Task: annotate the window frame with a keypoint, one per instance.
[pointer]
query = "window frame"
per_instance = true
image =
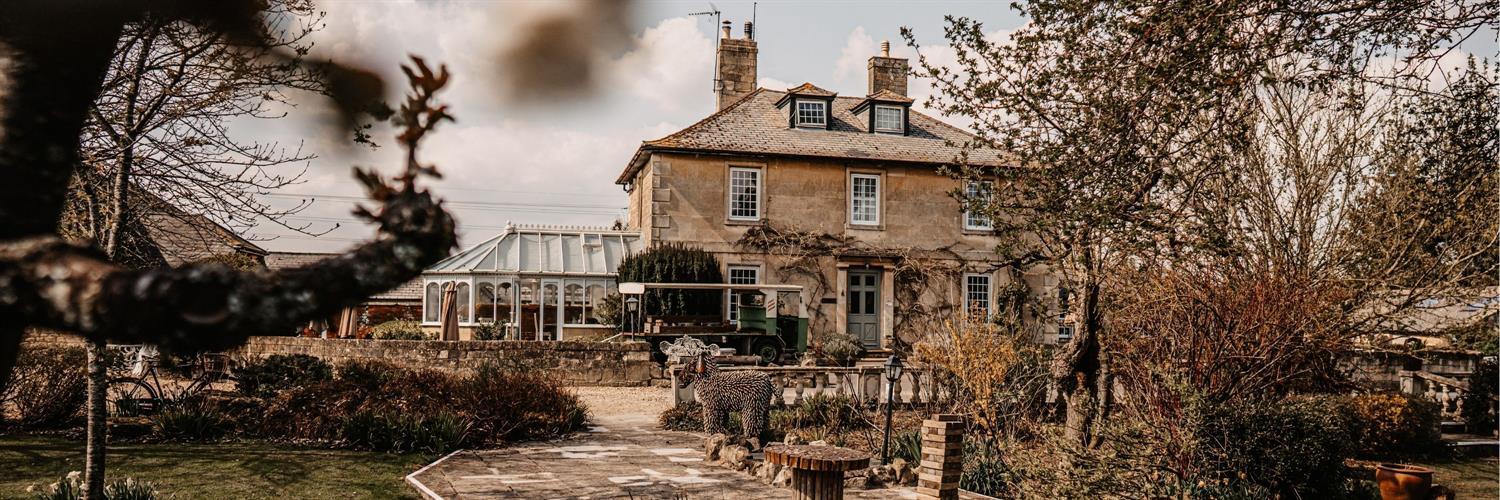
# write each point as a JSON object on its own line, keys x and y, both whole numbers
{"x": 877, "y": 200}
{"x": 968, "y": 216}
{"x": 760, "y": 194}
{"x": 797, "y": 113}
{"x": 731, "y": 313}
{"x": 900, "y": 119}
{"x": 989, "y": 293}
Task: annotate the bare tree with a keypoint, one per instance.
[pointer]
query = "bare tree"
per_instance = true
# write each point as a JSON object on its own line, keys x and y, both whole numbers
{"x": 1119, "y": 113}
{"x": 51, "y": 81}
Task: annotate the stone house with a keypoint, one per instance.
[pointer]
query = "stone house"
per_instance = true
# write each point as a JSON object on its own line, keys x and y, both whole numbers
{"x": 844, "y": 195}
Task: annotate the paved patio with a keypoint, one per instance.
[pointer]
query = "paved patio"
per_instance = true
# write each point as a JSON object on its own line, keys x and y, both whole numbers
{"x": 622, "y": 456}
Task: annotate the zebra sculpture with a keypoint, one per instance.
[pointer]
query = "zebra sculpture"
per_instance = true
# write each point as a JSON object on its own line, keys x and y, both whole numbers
{"x": 746, "y": 392}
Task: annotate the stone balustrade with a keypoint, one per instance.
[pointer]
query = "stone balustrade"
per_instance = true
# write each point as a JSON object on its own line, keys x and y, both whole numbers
{"x": 1446, "y": 391}
{"x": 865, "y": 384}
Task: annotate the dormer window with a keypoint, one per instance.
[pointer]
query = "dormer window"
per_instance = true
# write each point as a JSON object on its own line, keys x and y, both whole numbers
{"x": 812, "y": 113}
{"x": 888, "y": 119}
{"x": 885, "y": 112}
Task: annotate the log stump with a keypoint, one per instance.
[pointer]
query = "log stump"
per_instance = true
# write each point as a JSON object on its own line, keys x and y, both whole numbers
{"x": 817, "y": 471}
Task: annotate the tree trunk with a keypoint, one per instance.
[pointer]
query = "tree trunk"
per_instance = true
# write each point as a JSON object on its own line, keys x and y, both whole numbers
{"x": 1075, "y": 370}
{"x": 93, "y": 468}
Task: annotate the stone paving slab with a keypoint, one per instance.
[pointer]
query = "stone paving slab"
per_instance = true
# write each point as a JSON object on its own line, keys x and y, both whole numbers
{"x": 623, "y": 455}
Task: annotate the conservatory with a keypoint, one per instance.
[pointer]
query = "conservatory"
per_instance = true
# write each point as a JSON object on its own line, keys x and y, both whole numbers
{"x": 531, "y": 282}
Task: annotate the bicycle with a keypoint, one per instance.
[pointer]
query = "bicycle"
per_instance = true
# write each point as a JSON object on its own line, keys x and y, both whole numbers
{"x": 140, "y": 392}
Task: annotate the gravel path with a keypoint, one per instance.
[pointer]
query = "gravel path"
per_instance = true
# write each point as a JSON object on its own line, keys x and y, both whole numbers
{"x": 633, "y": 403}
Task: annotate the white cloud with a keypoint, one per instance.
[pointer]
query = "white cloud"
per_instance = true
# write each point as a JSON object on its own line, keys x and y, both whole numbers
{"x": 670, "y": 65}
{"x": 851, "y": 64}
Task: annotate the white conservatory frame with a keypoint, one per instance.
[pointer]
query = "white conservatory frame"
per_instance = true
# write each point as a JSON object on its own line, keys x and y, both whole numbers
{"x": 564, "y": 269}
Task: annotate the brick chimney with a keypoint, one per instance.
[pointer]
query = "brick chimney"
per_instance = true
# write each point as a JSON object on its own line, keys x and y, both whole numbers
{"x": 736, "y": 72}
{"x": 886, "y": 72}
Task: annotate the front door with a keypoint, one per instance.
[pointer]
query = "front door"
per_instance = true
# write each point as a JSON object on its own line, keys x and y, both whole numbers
{"x": 864, "y": 307}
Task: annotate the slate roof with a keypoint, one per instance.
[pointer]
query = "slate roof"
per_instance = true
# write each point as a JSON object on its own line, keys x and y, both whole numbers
{"x": 409, "y": 291}
{"x": 754, "y": 125}
{"x": 184, "y": 237}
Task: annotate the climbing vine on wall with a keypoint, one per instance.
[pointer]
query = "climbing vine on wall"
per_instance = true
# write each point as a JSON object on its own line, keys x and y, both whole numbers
{"x": 926, "y": 279}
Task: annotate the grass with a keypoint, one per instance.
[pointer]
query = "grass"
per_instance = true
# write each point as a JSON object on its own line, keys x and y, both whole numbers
{"x": 1469, "y": 477}
{"x": 225, "y": 470}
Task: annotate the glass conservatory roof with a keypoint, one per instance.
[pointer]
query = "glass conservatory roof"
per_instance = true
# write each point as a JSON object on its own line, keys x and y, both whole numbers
{"x": 545, "y": 250}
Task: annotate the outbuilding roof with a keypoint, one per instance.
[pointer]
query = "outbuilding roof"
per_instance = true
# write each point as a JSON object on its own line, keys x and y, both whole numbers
{"x": 754, "y": 125}
{"x": 561, "y": 250}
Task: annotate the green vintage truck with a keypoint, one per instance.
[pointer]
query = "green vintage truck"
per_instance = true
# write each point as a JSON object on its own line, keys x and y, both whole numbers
{"x": 767, "y": 321}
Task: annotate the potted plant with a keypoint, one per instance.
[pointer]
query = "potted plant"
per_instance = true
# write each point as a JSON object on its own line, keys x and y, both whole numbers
{"x": 1403, "y": 482}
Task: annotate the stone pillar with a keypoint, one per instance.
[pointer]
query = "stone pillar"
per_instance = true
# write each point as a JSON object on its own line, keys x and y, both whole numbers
{"x": 942, "y": 458}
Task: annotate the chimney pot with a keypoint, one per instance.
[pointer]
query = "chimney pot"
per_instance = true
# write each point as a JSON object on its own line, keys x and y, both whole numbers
{"x": 749, "y": 30}
{"x": 735, "y": 76}
{"x": 726, "y": 29}
{"x": 885, "y": 48}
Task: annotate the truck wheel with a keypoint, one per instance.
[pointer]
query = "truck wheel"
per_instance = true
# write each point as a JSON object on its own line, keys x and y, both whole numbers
{"x": 769, "y": 350}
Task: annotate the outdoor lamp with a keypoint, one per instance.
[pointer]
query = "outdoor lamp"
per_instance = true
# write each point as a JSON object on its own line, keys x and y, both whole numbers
{"x": 893, "y": 368}
{"x": 632, "y": 304}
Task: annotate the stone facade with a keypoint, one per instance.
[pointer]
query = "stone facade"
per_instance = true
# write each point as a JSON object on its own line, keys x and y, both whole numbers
{"x": 685, "y": 199}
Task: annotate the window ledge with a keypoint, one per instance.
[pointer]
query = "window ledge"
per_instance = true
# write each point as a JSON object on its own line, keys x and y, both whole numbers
{"x": 744, "y": 222}
{"x": 979, "y": 232}
{"x": 864, "y": 227}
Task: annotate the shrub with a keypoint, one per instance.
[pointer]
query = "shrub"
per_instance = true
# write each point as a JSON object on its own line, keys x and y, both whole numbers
{"x": 71, "y": 487}
{"x": 400, "y": 329}
{"x": 1295, "y": 446}
{"x": 985, "y": 471}
{"x": 47, "y": 387}
{"x": 608, "y": 311}
{"x": 675, "y": 263}
{"x": 509, "y": 405}
{"x": 275, "y": 373}
{"x": 402, "y": 433}
{"x": 907, "y": 445}
{"x": 1389, "y": 425}
{"x": 1479, "y": 399}
{"x": 686, "y": 416}
{"x": 490, "y": 331}
{"x": 832, "y": 414}
{"x": 194, "y": 420}
{"x": 841, "y": 349}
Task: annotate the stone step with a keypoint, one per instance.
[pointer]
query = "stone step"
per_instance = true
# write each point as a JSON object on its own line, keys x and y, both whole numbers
{"x": 1472, "y": 445}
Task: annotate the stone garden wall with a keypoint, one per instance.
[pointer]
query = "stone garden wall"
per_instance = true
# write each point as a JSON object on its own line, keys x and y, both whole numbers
{"x": 576, "y": 363}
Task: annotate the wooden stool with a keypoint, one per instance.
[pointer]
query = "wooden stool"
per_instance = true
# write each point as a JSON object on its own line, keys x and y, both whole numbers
{"x": 817, "y": 471}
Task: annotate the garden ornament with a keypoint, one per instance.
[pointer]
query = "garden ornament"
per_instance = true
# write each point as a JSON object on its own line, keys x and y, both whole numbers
{"x": 747, "y": 392}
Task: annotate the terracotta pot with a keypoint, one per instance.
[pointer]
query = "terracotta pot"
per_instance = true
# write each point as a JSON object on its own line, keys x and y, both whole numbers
{"x": 1403, "y": 482}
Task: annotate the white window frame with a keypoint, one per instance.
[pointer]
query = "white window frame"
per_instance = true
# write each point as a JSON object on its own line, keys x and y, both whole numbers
{"x": 822, "y": 113}
{"x": 900, "y": 121}
{"x": 760, "y": 194}
{"x": 853, "y": 176}
{"x": 732, "y": 312}
{"x": 971, "y": 221}
{"x": 989, "y": 292}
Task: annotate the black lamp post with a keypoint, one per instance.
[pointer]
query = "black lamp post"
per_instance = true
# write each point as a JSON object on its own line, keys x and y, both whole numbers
{"x": 892, "y": 377}
{"x": 632, "y": 308}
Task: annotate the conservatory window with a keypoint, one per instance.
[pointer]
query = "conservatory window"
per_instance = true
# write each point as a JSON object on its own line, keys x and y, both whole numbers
{"x": 504, "y": 298}
{"x": 433, "y": 300}
{"x": 484, "y": 303}
{"x": 463, "y": 302}
{"x": 596, "y": 294}
{"x": 575, "y": 303}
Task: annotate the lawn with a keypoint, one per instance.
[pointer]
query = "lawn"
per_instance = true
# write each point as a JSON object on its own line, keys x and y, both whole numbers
{"x": 1469, "y": 477}
{"x": 227, "y": 470}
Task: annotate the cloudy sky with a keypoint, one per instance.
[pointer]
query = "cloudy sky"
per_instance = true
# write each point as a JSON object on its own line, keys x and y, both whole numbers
{"x": 510, "y": 160}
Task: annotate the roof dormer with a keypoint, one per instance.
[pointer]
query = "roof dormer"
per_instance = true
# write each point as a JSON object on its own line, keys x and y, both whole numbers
{"x": 886, "y": 112}
{"x": 808, "y": 107}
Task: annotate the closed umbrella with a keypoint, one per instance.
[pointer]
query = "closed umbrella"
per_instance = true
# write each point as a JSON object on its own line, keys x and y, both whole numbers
{"x": 448, "y": 325}
{"x": 348, "y": 323}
